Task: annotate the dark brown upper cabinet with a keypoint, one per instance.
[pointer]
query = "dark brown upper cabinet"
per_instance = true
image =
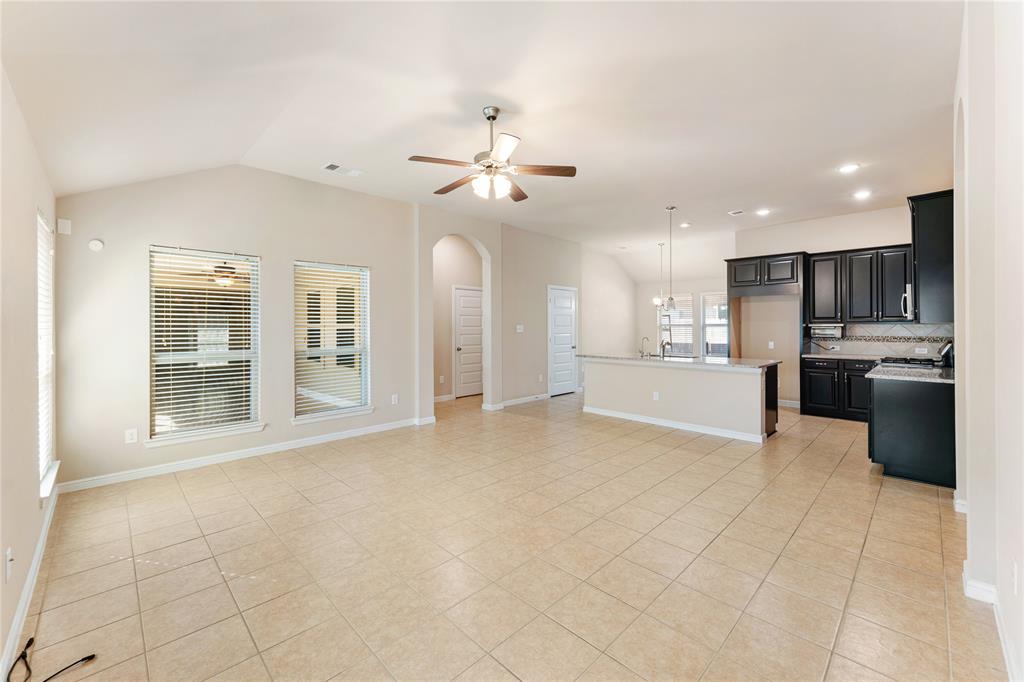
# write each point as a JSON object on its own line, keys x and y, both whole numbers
{"x": 781, "y": 269}
{"x": 861, "y": 290}
{"x": 823, "y": 299}
{"x": 895, "y": 284}
{"x": 745, "y": 273}
{"x": 932, "y": 224}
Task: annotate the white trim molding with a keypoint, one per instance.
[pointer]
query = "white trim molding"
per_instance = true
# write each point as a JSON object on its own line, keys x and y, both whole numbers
{"x": 789, "y": 403}
{"x": 525, "y": 399}
{"x": 185, "y": 464}
{"x": 959, "y": 505}
{"x": 333, "y": 414}
{"x": 987, "y": 592}
{"x": 976, "y": 589}
{"x": 492, "y": 407}
{"x": 710, "y": 430}
{"x": 444, "y": 398}
{"x": 425, "y": 421}
{"x": 13, "y": 643}
{"x": 203, "y": 434}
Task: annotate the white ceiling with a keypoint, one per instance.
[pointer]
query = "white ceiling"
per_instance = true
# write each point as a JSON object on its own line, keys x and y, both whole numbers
{"x": 709, "y": 106}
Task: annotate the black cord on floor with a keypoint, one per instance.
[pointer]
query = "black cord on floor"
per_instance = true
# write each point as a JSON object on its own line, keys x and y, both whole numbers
{"x": 83, "y": 659}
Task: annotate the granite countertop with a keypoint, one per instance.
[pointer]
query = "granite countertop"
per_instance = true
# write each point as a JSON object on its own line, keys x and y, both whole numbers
{"x": 836, "y": 355}
{"x": 741, "y": 364}
{"x": 934, "y": 375}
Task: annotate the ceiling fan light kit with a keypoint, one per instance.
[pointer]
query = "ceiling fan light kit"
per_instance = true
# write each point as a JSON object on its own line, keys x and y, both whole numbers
{"x": 493, "y": 167}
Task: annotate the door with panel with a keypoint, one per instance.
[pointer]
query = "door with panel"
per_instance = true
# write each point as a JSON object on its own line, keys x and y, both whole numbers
{"x": 468, "y": 340}
{"x": 562, "y": 364}
{"x": 895, "y": 284}
{"x": 861, "y": 275}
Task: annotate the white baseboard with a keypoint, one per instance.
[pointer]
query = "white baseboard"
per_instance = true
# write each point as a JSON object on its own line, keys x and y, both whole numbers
{"x": 13, "y": 646}
{"x": 424, "y": 421}
{"x": 444, "y": 398}
{"x": 710, "y": 430}
{"x": 976, "y": 589}
{"x": 525, "y": 399}
{"x": 1014, "y": 668}
{"x": 960, "y": 506}
{"x": 789, "y": 403}
{"x": 492, "y": 407}
{"x": 185, "y": 464}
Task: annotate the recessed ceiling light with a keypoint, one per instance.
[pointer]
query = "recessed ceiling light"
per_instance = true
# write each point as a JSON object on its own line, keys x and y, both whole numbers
{"x": 848, "y": 168}
{"x": 862, "y": 194}
{"x": 763, "y": 211}
{"x": 684, "y": 225}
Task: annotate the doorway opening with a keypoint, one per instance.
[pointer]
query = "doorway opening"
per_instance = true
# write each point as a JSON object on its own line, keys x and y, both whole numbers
{"x": 459, "y": 323}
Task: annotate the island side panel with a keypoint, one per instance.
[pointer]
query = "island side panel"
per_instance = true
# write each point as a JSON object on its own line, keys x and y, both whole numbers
{"x": 771, "y": 399}
{"x": 727, "y": 403}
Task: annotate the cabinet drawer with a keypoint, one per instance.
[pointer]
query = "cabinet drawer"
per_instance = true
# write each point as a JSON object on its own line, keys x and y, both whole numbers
{"x": 859, "y": 365}
{"x": 821, "y": 364}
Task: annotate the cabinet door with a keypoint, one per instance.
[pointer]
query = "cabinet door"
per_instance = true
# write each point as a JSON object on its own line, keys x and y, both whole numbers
{"x": 932, "y": 217}
{"x": 895, "y": 270}
{"x": 821, "y": 388}
{"x": 861, "y": 279}
{"x": 824, "y": 289}
{"x": 745, "y": 273}
{"x": 856, "y": 395}
{"x": 780, "y": 270}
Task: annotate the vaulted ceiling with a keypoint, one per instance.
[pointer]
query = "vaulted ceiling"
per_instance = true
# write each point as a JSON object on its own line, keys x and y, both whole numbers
{"x": 709, "y": 106}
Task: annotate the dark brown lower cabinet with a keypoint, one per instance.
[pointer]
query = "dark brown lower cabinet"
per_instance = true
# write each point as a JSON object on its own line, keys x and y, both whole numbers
{"x": 836, "y": 388}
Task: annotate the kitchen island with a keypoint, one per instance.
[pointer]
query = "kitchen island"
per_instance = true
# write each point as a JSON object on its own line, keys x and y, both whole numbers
{"x": 730, "y": 397}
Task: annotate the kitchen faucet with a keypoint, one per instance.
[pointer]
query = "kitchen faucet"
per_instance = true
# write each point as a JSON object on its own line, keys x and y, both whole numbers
{"x": 643, "y": 345}
{"x": 664, "y": 343}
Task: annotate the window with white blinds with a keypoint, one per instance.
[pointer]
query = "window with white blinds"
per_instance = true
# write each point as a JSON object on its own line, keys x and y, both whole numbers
{"x": 204, "y": 341}
{"x": 332, "y": 339}
{"x": 44, "y": 347}
{"x": 676, "y": 326}
{"x": 715, "y": 320}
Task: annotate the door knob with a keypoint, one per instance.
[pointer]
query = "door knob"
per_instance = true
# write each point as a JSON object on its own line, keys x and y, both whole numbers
{"x": 458, "y": 347}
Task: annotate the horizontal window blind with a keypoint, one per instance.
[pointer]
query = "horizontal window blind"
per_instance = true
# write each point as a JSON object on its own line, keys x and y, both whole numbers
{"x": 44, "y": 349}
{"x": 332, "y": 338}
{"x": 716, "y": 324}
{"x": 676, "y": 326}
{"x": 204, "y": 340}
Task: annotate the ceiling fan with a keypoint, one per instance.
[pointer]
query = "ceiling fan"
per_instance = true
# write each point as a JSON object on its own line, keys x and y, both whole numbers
{"x": 492, "y": 172}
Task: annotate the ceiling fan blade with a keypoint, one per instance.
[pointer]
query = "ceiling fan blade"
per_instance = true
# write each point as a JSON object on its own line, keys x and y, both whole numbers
{"x": 504, "y": 145}
{"x": 447, "y": 162}
{"x": 561, "y": 171}
{"x": 517, "y": 192}
{"x": 455, "y": 185}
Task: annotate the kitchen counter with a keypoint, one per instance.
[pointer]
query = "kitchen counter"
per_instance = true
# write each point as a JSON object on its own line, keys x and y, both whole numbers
{"x": 714, "y": 364}
{"x": 936, "y": 375}
{"x": 840, "y": 356}
{"x": 728, "y": 397}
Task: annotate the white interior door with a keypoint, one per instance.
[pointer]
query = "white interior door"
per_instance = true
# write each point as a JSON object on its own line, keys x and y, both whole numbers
{"x": 561, "y": 340}
{"x": 468, "y": 337}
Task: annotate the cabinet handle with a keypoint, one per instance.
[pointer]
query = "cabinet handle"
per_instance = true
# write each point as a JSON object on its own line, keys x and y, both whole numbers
{"x": 908, "y": 312}
{"x": 903, "y": 304}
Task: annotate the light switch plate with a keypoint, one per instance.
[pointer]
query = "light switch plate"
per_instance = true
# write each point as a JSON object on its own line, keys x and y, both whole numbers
{"x": 519, "y": 329}
{"x": 655, "y": 396}
{"x": 394, "y": 398}
{"x": 131, "y": 436}
{"x": 442, "y": 378}
{"x": 771, "y": 345}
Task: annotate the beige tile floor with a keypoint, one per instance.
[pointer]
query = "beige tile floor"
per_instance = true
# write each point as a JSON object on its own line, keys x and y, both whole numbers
{"x": 537, "y": 543}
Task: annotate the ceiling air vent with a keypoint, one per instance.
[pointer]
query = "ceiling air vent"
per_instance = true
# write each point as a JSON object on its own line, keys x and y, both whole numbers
{"x": 341, "y": 170}
{"x": 736, "y": 212}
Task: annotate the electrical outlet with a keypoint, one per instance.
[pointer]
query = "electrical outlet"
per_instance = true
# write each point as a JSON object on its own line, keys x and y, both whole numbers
{"x": 131, "y": 436}
{"x": 771, "y": 345}
{"x": 394, "y": 398}
{"x": 655, "y": 396}
{"x": 921, "y": 351}
{"x": 519, "y": 329}
{"x": 8, "y": 563}
{"x": 442, "y": 378}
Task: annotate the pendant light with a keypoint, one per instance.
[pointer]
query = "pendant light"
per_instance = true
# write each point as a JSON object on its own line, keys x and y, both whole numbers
{"x": 661, "y": 276}
{"x": 670, "y": 302}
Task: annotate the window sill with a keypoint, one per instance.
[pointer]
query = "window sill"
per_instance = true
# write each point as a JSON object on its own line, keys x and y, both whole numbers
{"x": 48, "y": 480}
{"x": 161, "y": 441}
{"x": 333, "y": 414}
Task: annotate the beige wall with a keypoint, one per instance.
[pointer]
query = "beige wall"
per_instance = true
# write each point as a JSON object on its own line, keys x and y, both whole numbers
{"x": 531, "y": 262}
{"x": 25, "y": 191}
{"x": 851, "y": 231}
{"x": 103, "y": 313}
{"x": 456, "y": 262}
{"x": 776, "y": 319}
{"x": 990, "y": 295}
{"x": 646, "y": 318}
{"x": 608, "y": 310}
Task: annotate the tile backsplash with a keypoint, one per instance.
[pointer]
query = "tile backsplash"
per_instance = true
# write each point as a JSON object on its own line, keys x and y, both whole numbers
{"x": 886, "y": 339}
